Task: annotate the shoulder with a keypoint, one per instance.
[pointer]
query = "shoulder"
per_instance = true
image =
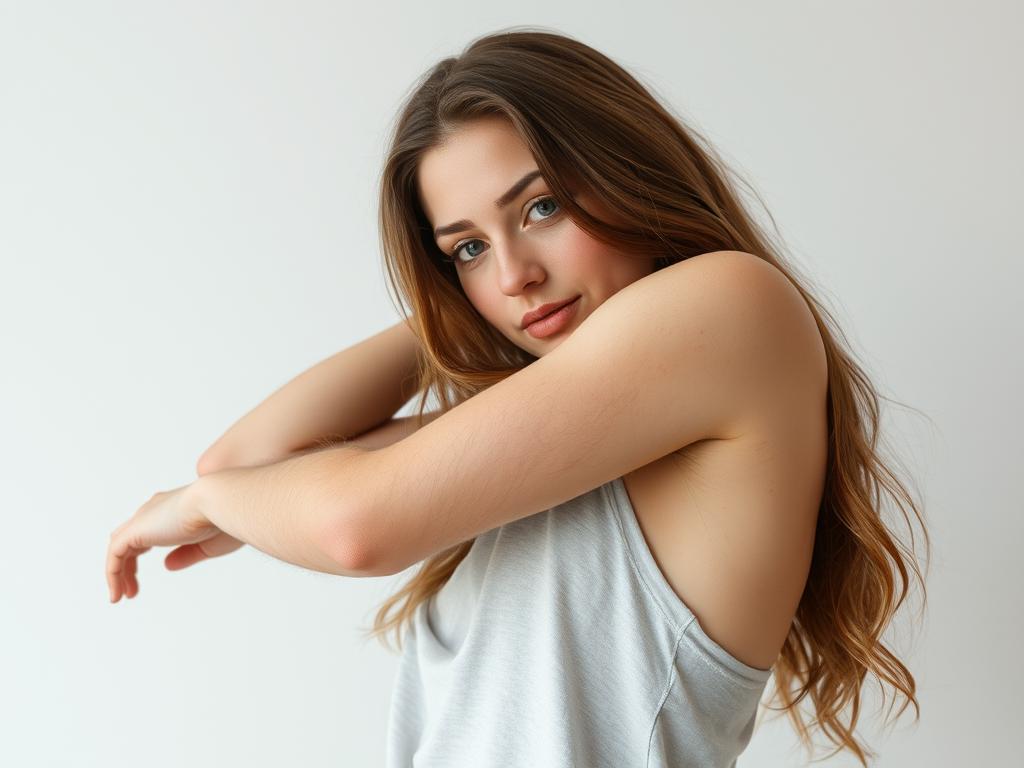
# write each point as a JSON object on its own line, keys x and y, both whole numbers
{"x": 733, "y": 288}
{"x": 738, "y": 316}
{"x": 737, "y": 286}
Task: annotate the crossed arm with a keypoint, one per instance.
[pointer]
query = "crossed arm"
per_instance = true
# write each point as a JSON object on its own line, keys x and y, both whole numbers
{"x": 690, "y": 352}
{"x": 687, "y": 353}
{"x": 288, "y": 509}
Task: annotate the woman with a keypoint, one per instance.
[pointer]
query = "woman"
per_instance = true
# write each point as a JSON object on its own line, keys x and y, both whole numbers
{"x": 652, "y": 482}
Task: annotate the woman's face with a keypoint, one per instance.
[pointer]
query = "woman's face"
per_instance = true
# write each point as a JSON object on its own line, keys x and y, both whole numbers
{"x": 514, "y": 253}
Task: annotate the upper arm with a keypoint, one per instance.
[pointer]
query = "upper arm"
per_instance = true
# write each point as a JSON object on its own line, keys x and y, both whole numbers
{"x": 684, "y": 354}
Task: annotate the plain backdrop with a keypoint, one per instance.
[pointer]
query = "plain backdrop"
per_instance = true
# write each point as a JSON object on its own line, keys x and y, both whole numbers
{"x": 188, "y": 202}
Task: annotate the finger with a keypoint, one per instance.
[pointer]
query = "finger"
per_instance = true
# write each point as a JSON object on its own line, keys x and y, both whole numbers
{"x": 115, "y": 562}
{"x": 112, "y": 570}
{"x": 114, "y": 586}
{"x": 190, "y": 554}
{"x": 131, "y": 578}
{"x": 221, "y": 544}
{"x": 183, "y": 557}
{"x": 119, "y": 553}
{"x": 129, "y": 573}
{"x": 125, "y": 579}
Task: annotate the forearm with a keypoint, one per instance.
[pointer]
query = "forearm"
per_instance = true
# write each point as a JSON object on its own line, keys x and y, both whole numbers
{"x": 292, "y": 510}
{"x": 345, "y": 395}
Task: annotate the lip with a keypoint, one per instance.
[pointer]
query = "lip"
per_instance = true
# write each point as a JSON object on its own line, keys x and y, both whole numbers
{"x": 554, "y": 322}
{"x": 543, "y": 311}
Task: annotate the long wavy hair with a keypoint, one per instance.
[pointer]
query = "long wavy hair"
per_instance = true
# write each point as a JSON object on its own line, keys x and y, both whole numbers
{"x": 592, "y": 126}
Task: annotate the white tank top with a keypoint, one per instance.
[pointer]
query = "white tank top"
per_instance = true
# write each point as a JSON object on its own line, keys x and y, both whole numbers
{"x": 558, "y": 642}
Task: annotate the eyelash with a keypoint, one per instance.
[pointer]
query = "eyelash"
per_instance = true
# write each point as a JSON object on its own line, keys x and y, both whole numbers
{"x": 452, "y": 257}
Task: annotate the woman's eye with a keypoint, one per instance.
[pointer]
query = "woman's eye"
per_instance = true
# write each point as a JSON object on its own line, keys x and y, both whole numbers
{"x": 548, "y": 202}
{"x": 455, "y": 253}
{"x": 542, "y": 205}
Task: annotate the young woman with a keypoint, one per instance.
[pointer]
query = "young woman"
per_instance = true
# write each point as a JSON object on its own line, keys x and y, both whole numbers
{"x": 652, "y": 482}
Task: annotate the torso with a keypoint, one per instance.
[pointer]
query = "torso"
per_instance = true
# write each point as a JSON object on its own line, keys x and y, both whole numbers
{"x": 731, "y": 522}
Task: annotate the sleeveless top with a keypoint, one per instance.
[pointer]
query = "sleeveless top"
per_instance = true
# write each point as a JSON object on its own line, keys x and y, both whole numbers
{"x": 558, "y": 642}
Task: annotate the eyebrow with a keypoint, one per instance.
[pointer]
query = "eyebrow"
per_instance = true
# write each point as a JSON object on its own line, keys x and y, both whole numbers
{"x": 514, "y": 191}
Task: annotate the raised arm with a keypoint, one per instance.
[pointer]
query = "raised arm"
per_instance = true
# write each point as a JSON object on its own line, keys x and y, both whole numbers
{"x": 333, "y": 401}
{"x": 346, "y": 396}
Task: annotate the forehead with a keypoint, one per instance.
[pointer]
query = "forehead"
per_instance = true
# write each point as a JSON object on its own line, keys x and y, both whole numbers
{"x": 473, "y": 167}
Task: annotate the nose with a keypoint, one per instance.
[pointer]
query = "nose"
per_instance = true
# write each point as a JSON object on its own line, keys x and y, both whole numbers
{"x": 518, "y": 266}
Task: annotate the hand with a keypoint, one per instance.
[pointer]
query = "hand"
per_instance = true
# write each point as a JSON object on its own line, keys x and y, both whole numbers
{"x": 168, "y": 518}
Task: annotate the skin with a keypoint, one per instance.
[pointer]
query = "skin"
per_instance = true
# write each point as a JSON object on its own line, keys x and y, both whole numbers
{"x": 526, "y": 254}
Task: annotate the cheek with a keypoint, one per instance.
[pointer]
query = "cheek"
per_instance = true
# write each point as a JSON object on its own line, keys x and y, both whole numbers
{"x": 486, "y": 302}
{"x": 600, "y": 265}
{"x": 580, "y": 251}
{"x": 600, "y": 270}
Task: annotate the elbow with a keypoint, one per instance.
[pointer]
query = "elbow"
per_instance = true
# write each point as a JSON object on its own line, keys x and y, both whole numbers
{"x": 361, "y": 534}
{"x": 356, "y": 555}
{"x": 349, "y": 551}
{"x": 206, "y": 465}
{"x": 351, "y": 560}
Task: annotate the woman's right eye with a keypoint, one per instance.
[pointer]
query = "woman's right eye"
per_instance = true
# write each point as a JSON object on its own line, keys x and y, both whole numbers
{"x": 455, "y": 254}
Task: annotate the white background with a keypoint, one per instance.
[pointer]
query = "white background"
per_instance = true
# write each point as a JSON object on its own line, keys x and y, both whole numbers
{"x": 188, "y": 199}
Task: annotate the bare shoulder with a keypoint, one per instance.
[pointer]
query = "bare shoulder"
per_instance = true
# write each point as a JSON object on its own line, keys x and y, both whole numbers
{"x": 742, "y": 275}
{"x": 760, "y": 320}
{"x": 798, "y": 363}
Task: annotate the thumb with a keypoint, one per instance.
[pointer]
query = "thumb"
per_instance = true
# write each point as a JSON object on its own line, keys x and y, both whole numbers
{"x": 190, "y": 554}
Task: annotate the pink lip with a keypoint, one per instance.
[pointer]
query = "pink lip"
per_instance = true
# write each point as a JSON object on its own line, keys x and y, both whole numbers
{"x": 555, "y": 322}
{"x": 543, "y": 311}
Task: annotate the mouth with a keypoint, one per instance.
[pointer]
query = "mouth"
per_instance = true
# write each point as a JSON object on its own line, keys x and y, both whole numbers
{"x": 543, "y": 311}
{"x": 554, "y": 322}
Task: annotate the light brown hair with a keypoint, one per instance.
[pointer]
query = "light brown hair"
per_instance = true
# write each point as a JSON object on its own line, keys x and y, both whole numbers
{"x": 590, "y": 125}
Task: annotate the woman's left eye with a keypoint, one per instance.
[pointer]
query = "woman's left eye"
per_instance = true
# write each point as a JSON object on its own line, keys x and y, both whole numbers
{"x": 550, "y": 201}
